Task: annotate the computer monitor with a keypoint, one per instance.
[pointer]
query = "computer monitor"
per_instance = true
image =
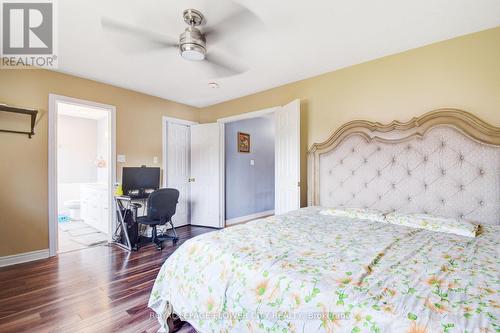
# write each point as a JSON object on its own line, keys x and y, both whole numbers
{"x": 138, "y": 181}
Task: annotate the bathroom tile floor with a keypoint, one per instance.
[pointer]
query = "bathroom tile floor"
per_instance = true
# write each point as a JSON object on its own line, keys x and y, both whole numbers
{"x": 76, "y": 235}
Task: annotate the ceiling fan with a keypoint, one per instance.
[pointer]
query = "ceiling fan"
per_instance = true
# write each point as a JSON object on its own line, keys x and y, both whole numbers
{"x": 192, "y": 43}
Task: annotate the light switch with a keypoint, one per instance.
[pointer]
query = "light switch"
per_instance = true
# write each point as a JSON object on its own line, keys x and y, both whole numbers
{"x": 155, "y": 160}
{"x": 121, "y": 158}
{"x": 252, "y": 162}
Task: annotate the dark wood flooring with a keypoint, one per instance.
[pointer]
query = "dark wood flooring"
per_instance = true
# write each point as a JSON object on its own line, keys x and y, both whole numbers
{"x": 100, "y": 289}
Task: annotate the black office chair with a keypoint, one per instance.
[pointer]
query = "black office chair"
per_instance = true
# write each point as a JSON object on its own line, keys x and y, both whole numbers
{"x": 161, "y": 207}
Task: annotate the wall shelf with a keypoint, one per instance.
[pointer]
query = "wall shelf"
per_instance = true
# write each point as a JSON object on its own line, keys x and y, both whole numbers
{"x": 29, "y": 112}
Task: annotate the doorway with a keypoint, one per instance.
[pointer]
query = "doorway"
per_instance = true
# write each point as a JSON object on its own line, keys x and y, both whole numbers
{"x": 249, "y": 146}
{"x": 286, "y": 122}
{"x": 194, "y": 162}
{"x": 81, "y": 173}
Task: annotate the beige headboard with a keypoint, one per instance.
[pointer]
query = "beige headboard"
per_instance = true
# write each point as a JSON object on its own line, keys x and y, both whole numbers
{"x": 446, "y": 162}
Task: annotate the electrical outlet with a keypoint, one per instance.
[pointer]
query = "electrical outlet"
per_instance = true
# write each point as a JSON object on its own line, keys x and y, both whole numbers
{"x": 155, "y": 160}
{"x": 121, "y": 158}
{"x": 252, "y": 162}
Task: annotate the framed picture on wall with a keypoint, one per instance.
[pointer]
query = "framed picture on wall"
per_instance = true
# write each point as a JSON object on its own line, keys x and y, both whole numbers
{"x": 243, "y": 142}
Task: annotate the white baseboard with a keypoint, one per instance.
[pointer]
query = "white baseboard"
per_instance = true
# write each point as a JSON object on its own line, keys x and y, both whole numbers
{"x": 249, "y": 217}
{"x": 23, "y": 257}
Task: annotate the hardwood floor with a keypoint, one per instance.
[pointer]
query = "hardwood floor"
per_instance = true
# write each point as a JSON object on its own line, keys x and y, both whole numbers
{"x": 99, "y": 289}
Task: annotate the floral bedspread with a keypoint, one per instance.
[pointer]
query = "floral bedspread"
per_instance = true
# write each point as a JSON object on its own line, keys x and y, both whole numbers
{"x": 306, "y": 272}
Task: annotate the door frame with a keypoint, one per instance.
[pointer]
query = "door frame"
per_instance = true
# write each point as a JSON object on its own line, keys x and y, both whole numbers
{"x": 222, "y": 155}
{"x": 52, "y": 164}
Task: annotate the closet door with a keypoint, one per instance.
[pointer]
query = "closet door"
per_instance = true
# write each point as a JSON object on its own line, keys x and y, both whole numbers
{"x": 205, "y": 182}
{"x": 178, "y": 169}
{"x": 287, "y": 154}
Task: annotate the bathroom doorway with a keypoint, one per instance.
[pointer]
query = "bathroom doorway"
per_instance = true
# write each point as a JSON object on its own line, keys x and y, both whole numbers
{"x": 82, "y": 167}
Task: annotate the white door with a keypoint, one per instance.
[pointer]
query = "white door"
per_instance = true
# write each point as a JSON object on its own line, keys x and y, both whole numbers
{"x": 287, "y": 154}
{"x": 178, "y": 169}
{"x": 205, "y": 175}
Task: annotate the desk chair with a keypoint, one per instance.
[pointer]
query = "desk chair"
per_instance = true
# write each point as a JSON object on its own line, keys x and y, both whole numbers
{"x": 161, "y": 207}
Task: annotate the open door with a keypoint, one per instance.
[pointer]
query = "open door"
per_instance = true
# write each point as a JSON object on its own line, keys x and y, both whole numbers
{"x": 287, "y": 163}
{"x": 205, "y": 183}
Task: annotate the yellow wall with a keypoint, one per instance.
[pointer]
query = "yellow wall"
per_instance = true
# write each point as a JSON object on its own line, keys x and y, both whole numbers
{"x": 463, "y": 72}
{"x": 23, "y": 162}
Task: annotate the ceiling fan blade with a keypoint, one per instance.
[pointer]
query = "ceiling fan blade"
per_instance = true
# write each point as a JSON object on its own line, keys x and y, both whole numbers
{"x": 241, "y": 19}
{"x": 222, "y": 67}
{"x": 156, "y": 40}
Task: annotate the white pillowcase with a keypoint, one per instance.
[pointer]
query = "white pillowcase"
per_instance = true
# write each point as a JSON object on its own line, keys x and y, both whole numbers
{"x": 434, "y": 223}
{"x": 421, "y": 221}
{"x": 356, "y": 213}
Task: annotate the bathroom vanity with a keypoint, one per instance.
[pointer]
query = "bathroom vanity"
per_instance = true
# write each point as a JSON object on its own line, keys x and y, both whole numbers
{"x": 95, "y": 206}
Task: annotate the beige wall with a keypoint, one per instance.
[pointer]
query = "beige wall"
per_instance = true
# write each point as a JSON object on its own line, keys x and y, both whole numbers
{"x": 23, "y": 162}
{"x": 462, "y": 73}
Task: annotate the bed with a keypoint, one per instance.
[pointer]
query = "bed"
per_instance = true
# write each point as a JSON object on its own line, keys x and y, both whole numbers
{"x": 311, "y": 271}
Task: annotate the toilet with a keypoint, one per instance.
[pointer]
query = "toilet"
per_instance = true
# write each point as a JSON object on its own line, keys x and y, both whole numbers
{"x": 74, "y": 209}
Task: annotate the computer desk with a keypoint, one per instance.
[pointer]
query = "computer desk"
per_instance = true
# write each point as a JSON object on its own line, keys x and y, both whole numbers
{"x": 125, "y": 205}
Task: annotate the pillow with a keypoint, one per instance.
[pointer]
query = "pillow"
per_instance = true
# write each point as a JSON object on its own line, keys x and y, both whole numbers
{"x": 434, "y": 223}
{"x": 355, "y": 213}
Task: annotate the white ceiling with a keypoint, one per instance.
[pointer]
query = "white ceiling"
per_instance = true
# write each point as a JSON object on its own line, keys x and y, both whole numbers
{"x": 297, "y": 39}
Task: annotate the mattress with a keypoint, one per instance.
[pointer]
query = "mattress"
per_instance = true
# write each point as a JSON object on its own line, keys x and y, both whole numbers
{"x": 307, "y": 272}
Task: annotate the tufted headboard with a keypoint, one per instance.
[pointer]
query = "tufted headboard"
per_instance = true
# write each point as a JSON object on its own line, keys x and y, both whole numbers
{"x": 446, "y": 163}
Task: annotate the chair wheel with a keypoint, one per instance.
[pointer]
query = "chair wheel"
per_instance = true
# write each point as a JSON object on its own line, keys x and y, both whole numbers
{"x": 159, "y": 245}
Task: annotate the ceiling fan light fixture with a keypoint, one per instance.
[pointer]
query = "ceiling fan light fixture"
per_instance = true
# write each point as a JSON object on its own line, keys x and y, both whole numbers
{"x": 192, "y": 44}
{"x": 192, "y": 52}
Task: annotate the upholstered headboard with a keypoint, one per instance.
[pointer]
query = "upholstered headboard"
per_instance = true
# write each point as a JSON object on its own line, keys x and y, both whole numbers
{"x": 446, "y": 162}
